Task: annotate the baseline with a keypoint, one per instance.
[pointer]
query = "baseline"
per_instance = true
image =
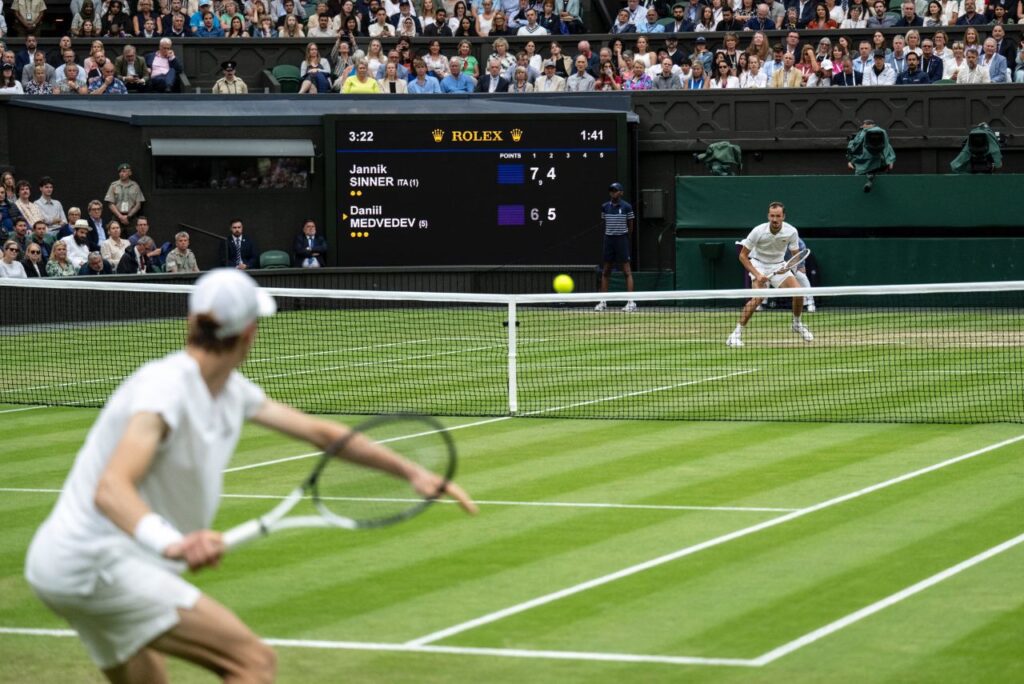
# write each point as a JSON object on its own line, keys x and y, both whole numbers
{"x": 451, "y": 650}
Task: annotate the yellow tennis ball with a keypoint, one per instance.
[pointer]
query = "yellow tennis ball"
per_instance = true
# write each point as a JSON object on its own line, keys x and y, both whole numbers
{"x": 563, "y": 284}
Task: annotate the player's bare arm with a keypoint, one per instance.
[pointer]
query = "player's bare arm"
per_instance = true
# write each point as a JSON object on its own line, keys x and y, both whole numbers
{"x": 117, "y": 495}
{"x": 759, "y": 278}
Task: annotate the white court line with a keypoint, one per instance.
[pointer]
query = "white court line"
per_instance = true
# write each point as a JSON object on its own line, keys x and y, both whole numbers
{"x": 449, "y": 650}
{"x": 541, "y": 504}
{"x": 524, "y": 415}
{"x": 25, "y": 408}
{"x": 890, "y": 600}
{"x": 689, "y": 550}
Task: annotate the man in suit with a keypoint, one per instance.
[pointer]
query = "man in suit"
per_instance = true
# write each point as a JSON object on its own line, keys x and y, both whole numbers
{"x": 1005, "y": 47}
{"x": 164, "y": 68}
{"x": 787, "y": 76}
{"x": 238, "y": 250}
{"x": 310, "y": 248}
{"x": 549, "y": 82}
{"x": 848, "y": 76}
{"x": 804, "y": 11}
{"x": 99, "y": 227}
{"x": 993, "y": 61}
{"x": 135, "y": 260}
{"x": 492, "y": 81}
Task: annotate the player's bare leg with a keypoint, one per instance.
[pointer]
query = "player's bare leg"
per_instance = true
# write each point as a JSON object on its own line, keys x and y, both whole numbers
{"x": 213, "y": 637}
{"x": 145, "y": 666}
{"x": 798, "y": 308}
{"x": 735, "y": 339}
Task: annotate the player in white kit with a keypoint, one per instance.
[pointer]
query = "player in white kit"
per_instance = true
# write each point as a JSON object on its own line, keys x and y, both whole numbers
{"x": 144, "y": 490}
{"x": 762, "y": 254}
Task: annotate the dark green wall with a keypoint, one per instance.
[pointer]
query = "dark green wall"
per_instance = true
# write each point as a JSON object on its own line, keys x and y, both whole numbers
{"x": 821, "y": 202}
{"x": 867, "y": 261}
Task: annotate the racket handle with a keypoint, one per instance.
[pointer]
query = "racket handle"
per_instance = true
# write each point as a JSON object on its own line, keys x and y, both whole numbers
{"x": 243, "y": 534}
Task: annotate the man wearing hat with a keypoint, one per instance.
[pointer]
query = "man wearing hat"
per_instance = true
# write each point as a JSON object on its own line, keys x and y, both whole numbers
{"x": 549, "y": 82}
{"x": 881, "y": 72}
{"x": 196, "y": 20}
{"x": 702, "y": 54}
{"x": 230, "y": 84}
{"x": 618, "y": 218}
{"x": 78, "y": 243}
{"x": 124, "y": 197}
{"x": 405, "y": 10}
{"x": 145, "y": 489}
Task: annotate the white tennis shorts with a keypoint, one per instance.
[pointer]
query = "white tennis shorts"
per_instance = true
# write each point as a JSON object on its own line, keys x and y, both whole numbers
{"x": 775, "y": 280}
{"x": 134, "y": 601}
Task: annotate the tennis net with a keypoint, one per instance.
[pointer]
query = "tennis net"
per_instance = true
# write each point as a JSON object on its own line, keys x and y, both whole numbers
{"x": 951, "y": 353}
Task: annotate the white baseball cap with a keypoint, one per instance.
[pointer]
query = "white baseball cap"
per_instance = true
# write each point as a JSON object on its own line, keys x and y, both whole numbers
{"x": 232, "y": 298}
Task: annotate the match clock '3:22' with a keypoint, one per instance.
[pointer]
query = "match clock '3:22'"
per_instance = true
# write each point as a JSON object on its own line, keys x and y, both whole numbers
{"x": 473, "y": 190}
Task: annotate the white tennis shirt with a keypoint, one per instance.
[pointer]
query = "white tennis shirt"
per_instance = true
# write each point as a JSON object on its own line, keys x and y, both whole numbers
{"x": 183, "y": 484}
{"x": 768, "y": 248}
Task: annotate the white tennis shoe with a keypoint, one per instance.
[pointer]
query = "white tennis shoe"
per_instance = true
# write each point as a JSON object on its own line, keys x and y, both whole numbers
{"x": 801, "y": 330}
{"x": 630, "y": 306}
{"x": 734, "y": 341}
{"x": 601, "y": 306}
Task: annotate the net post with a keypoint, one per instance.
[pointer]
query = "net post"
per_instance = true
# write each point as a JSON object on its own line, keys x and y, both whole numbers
{"x": 513, "y": 396}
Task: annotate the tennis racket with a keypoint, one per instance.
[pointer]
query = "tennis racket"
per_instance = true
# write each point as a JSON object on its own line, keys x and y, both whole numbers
{"x": 354, "y": 497}
{"x": 794, "y": 262}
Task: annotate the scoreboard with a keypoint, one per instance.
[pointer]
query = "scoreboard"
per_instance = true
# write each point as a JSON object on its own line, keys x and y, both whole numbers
{"x": 423, "y": 190}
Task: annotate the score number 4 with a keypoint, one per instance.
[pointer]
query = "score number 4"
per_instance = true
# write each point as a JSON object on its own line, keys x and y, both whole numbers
{"x": 536, "y": 171}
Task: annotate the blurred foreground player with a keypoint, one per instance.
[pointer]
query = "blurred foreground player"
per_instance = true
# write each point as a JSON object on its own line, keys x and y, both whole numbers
{"x": 144, "y": 490}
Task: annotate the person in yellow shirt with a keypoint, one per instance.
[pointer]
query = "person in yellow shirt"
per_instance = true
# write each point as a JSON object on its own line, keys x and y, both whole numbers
{"x": 361, "y": 83}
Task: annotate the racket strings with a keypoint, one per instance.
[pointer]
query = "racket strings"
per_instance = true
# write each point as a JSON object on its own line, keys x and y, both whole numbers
{"x": 351, "y": 491}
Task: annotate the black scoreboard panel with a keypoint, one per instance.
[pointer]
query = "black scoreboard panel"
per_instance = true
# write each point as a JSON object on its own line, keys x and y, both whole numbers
{"x": 426, "y": 190}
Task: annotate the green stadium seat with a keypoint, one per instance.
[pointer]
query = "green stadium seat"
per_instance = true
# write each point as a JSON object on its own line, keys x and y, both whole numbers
{"x": 275, "y": 258}
{"x": 284, "y": 78}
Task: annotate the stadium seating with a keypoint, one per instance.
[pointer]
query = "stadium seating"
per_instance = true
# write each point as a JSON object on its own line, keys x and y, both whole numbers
{"x": 275, "y": 258}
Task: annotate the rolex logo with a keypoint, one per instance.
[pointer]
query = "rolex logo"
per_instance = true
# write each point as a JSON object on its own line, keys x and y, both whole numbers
{"x": 517, "y": 134}
{"x": 438, "y": 135}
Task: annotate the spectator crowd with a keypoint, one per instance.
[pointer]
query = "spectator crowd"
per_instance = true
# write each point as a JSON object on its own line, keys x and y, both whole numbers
{"x": 731, "y": 49}
{"x": 40, "y": 239}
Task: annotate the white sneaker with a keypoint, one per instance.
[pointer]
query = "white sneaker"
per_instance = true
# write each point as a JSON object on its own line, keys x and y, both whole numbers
{"x": 760, "y": 307}
{"x": 630, "y": 306}
{"x": 601, "y": 306}
{"x": 810, "y": 308}
{"x": 801, "y": 330}
{"x": 734, "y": 341}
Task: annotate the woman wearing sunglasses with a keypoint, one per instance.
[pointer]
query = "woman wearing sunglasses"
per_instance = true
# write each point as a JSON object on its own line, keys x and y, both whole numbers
{"x": 10, "y": 267}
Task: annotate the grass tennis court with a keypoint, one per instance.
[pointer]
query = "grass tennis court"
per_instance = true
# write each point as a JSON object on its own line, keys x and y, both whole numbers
{"x": 755, "y": 535}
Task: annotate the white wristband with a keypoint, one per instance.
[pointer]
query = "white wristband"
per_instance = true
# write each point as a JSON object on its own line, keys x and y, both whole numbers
{"x": 155, "y": 533}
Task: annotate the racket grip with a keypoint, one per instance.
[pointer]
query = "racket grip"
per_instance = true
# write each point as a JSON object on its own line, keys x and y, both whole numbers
{"x": 243, "y": 534}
